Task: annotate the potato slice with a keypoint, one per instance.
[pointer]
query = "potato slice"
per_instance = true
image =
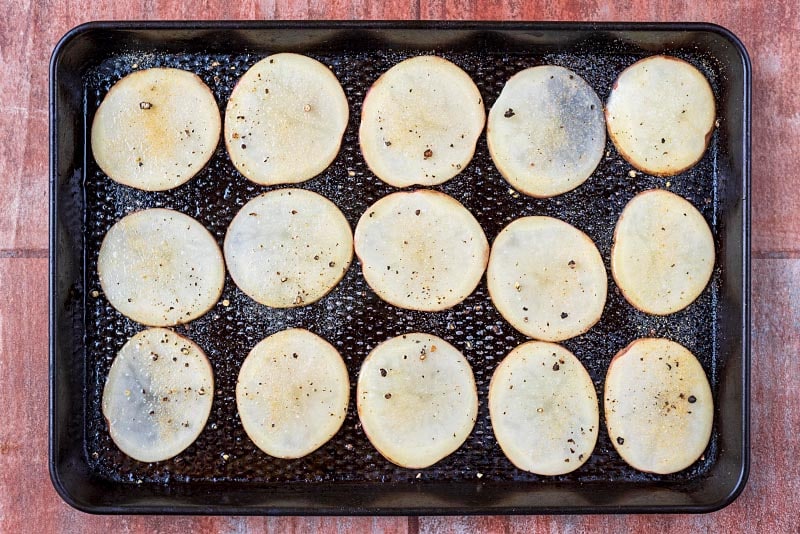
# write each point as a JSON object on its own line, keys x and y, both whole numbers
{"x": 546, "y": 131}
{"x": 660, "y": 115}
{"x": 160, "y": 267}
{"x": 292, "y": 393}
{"x": 285, "y": 120}
{"x": 546, "y": 278}
{"x": 420, "y": 122}
{"x": 155, "y": 129}
{"x": 663, "y": 252}
{"x": 544, "y": 409}
{"x": 288, "y": 248}
{"x": 158, "y": 394}
{"x": 416, "y": 399}
{"x": 421, "y": 250}
{"x": 658, "y": 406}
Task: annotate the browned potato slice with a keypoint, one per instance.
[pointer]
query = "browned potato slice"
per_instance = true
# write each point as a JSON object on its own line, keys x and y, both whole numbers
{"x": 155, "y": 129}
{"x": 660, "y": 115}
{"x": 658, "y": 406}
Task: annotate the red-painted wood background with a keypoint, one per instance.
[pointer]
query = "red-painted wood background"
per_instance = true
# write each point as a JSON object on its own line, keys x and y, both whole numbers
{"x": 770, "y": 29}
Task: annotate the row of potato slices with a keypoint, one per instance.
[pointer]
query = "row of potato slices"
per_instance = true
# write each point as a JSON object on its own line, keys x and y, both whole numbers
{"x": 416, "y": 400}
{"x": 419, "y": 250}
{"x": 420, "y": 121}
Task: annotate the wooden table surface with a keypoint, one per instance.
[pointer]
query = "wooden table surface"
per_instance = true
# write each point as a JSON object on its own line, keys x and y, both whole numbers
{"x": 771, "y": 31}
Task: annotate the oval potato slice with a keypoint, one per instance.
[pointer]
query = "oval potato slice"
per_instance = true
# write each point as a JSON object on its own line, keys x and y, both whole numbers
{"x": 288, "y": 247}
{"x": 292, "y": 393}
{"x": 663, "y": 252}
{"x": 546, "y": 278}
{"x": 420, "y": 121}
{"x": 546, "y": 131}
{"x": 158, "y": 395}
{"x": 155, "y": 129}
{"x": 543, "y": 408}
{"x": 160, "y": 267}
{"x": 421, "y": 250}
{"x": 416, "y": 399}
{"x": 660, "y": 115}
{"x": 658, "y": 406}
{"x": 285, "y": 120}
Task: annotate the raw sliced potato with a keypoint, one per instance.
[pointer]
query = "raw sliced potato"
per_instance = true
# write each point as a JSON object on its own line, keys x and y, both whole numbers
{"x": 421, "y": 250}
{"x": 288, "y": 248}
{"x": 416, "y": 399}
{"x": 546, "y": 131}
{"x": 420, "y": 121}
{"x": 285, "y": 120}
{"x": 660, "y": 115}
{"x": 546, "y": 278}
{"x": 158, "y": 395}
{"x": 663, "y": 252}
{"x": 160, "y": 267}
{"x": 658, "y": 406}
{"x": 543, "y": 408}
{"x": 155, "y": 129}
{"x": 292, "y": 393}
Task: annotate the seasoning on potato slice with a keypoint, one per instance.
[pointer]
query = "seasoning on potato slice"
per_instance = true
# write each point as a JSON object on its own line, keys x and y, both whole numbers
{"x": 546, "y": 131}
{"x": 660, "y": 115}
{"x": 421, "y": 250}
{"x": 658, "y": 406}
{"x": 160, "y": 267}
{"x": 285, "y": 120}
{"x": 288, "y": 248}
{"x": 543, "y": 408}
{"x": 663, "y": 252}
{"x": 416, "y": 399}
{"x": 157, "y": 397}
{"x": 420, "y": 122}
{"x": 292, "y": 393}
{"x": 155, "y": 129}
{"x": 546, "y": 278}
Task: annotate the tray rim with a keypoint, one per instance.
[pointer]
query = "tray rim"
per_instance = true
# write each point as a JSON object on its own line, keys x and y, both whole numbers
{"x": 430, "y": 25}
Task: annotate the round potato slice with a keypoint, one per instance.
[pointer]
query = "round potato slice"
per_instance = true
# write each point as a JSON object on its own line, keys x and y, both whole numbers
{"x": 663, "y": 252}
{"x": 292, "y": 393}
{"x": 288, "y": 247}
{"x": 421, "y": 250}
{"x": 658, "y": 406}
{"x": 660, "y": 115}
{"x": 158, "y": 394}
{"x": 546, "y": 131}
{"x": 544, "y": 409}
{"x": 547, "y": 278}
{"x": 160, "y": 267}
{"x": 156, "y": 129}
{"x": 285, "y": 120}
{"x": 416, "y": 399}
{"x": 420, "y": 122}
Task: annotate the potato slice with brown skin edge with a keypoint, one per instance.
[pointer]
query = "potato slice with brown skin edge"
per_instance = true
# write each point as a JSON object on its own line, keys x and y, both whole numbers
{"x": 663, "y": 252}
{"x": 155, "y": 129}
{"x": 660, "y": 115}
{"x": 285, "y": 120}
{"x": 292, "y": 393}
{"x": 543, "y": 408}
{"x": 421, "y": 250}
{"x": 416, "y": 398}
{"x": 160, "y": 267}
{"x": 158, "y": 395}
{"x": 658, "y": 406}
{"x": 546, "y": 132}
{"x": 420, "y": 121}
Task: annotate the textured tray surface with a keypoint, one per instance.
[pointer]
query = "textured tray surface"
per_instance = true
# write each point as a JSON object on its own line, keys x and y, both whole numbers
{"x": 352, "y": 317}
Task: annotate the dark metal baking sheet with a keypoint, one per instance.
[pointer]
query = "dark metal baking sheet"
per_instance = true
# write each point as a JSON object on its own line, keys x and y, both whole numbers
{"x": 223, "y": 472}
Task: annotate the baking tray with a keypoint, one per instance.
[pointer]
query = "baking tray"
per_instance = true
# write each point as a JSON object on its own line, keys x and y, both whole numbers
{"x": 223, "y": 472}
